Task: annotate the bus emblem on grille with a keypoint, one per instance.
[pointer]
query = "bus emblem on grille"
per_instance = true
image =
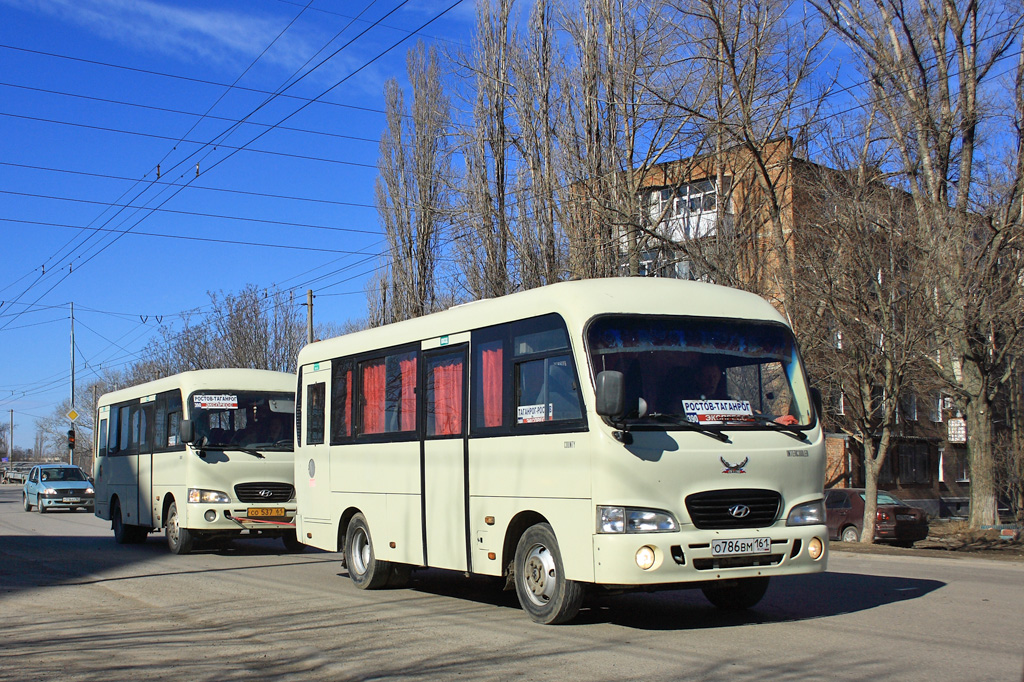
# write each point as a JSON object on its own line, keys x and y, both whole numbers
{"x": 734, "y": 468}
{"x": 265, "y": 493}
{"x": 739, "y": 511}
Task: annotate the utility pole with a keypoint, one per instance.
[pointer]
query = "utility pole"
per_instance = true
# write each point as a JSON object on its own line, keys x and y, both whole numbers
{"x": 71, "y": 425}
{"x": 309, "y": 315}
{"x": 10, "y": 441}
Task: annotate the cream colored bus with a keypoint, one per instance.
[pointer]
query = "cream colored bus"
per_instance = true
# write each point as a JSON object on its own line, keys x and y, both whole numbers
{"x": 619, "y": 433}
{"x": 203, "y": 455}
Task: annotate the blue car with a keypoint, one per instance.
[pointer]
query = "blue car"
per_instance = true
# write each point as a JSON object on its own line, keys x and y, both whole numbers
{"x": 57, "y": 486}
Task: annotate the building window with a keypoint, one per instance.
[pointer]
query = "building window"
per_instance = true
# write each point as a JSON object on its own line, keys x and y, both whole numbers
{"x": 914, "y": 463}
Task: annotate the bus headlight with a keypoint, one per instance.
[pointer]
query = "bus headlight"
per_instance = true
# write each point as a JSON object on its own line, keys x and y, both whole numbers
{"x": 809, "y": 514}
{"x": 634, "y": 520}
{"x": 196, "y": 495}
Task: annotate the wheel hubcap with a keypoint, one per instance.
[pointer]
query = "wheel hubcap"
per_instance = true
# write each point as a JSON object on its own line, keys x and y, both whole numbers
{"x": 539, "y": 575}
{"x": 360, "y": 552}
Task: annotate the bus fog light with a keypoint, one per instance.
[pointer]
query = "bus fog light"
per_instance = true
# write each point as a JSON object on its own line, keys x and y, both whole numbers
{"x": 210, "y": 515}
{"x": 645, "y": 557}
{"x": 815, "y": 548}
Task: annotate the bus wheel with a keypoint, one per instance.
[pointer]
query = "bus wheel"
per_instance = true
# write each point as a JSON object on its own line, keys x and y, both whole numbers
{"x": 124, "y": 534}
{"x": 179, "y": 540}
{"x": 736, "y": 595}
{"x": 400, "y": 575}
{"x": 366, "y": 571}
{"x": 291, "y": 541}
{"x": 543, "y": 591}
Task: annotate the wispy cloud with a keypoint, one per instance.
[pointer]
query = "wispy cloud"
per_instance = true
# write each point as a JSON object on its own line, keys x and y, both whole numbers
{"x": 188, "y": 33}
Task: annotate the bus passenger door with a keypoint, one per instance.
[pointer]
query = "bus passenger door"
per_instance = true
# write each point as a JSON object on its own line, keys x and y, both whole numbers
{"x": 145, "y": 472}
{"x": 443, "y": 462}
{"x": 99, "y": 480}
{"x": 312, "y": 457}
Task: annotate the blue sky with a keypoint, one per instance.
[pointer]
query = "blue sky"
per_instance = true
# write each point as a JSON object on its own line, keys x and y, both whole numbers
{"x": 96, "y": 94}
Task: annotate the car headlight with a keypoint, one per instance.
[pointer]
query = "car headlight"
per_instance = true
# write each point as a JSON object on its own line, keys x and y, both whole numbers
{"x": 90, "y": 491}
{"x": 49, "y": 491}
{"x": 634, "y": 520}
{"x": 808, "y": 514}
{"x": 207, "y": 496}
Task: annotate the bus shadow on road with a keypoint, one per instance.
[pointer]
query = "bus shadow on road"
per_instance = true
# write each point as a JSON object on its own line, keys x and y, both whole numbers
{"x": 39, "y": 561}
{"x": 789, "y": 599}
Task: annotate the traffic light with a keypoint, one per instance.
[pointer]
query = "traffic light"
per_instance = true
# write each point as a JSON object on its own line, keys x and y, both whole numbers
{"x": 71, "y": 439}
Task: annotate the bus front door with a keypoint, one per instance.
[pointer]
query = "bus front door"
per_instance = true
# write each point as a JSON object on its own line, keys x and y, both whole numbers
{"x": 314, "y": 469}
{"x": 444, "y": 462}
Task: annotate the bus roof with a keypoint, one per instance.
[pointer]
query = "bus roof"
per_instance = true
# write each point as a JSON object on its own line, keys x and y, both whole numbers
{"x": 576, "y": 301}
{"x": 208, "y": 379}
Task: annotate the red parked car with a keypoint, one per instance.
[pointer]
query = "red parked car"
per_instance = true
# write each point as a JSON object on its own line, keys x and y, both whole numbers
{"x": 895, "y": 521}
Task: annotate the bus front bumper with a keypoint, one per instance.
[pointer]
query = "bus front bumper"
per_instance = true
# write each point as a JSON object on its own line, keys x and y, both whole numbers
{"x": 649, "y": 559}
{"x": 239, "y": 516}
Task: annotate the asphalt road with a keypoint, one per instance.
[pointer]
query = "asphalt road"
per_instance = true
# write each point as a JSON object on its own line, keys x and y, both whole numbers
{"x": 75, "y": 606}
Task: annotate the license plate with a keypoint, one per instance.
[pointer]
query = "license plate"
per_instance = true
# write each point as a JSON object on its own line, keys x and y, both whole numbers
{"x": 741, "y": 546}
{"x": 906, "y": 517}
{"x": 71, "y": 499}
{"x": 257, "y": 512}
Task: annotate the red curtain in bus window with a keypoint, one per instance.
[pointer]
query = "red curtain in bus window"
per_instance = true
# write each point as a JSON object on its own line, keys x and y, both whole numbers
{"x": 447, "y": 405}
{"x": 491, "y": 369}
{"x": 347, "y": 409}
{"x": 373, "y": 395}
{"x": 407, "y": 415}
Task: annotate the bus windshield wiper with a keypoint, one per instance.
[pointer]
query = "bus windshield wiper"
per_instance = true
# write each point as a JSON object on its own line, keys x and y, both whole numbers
{"x": 687, "y": 424}
{"x": 223, "y": 448}
{"x": 789, "y": 430}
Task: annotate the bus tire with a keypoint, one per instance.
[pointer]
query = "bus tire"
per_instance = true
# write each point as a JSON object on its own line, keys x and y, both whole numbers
{"x": 179, "y": 540}
{"x": 736, "y": 595}
{"x": 544, "y": 592}
{"x": 400, "y": 575}
{"x": 291, "y": 541}
{"x": 124, "y": 534}
{"x": 365, "y": 570}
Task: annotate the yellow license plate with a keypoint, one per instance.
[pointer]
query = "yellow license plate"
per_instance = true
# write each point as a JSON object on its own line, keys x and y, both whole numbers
{"x": 259, "y": 512}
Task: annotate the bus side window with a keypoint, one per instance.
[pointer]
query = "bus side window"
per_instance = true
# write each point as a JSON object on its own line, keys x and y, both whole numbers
{"x": 388, "y": 394}
{"x": 315, "y": 397}
{"x": 488, "y": 386}
{"x": 341, "y": 401}
{"x": 123, "y": 429}
{"x": 547, "y": 390}
{"x": 101, "y": 440}
{"x": 444, "y": 394}
{"x": 166, "y": 421}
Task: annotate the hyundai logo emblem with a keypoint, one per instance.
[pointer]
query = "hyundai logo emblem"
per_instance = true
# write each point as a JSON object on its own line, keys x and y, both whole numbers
{"x": 266, "y": 493}
{"x": 739, "y": 511}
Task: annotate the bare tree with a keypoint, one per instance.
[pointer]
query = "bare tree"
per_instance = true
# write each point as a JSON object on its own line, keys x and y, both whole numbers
{"x": 411, "y": 199}
{"x": 860, "y": 259}
{"x": 758, "y": 66}
{"x": 485, "y": 211}
{"x": 932, "y": 67}
{"x": 254, "y": 328}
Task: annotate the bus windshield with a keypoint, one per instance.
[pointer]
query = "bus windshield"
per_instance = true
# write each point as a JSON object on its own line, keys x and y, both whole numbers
{"x": 707, "y": 371}
{"x": 260, "y": 420}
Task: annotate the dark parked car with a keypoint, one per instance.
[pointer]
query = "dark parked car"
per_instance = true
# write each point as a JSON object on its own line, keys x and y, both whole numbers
{"x": 57, "y": 486}
{"x": 895, "y": 521}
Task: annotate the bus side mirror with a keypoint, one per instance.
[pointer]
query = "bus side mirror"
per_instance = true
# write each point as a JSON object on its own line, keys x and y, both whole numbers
{"x": 611, "y": 394}
{"x": 816, "y": 400}
{"x": 186, "y": 431}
